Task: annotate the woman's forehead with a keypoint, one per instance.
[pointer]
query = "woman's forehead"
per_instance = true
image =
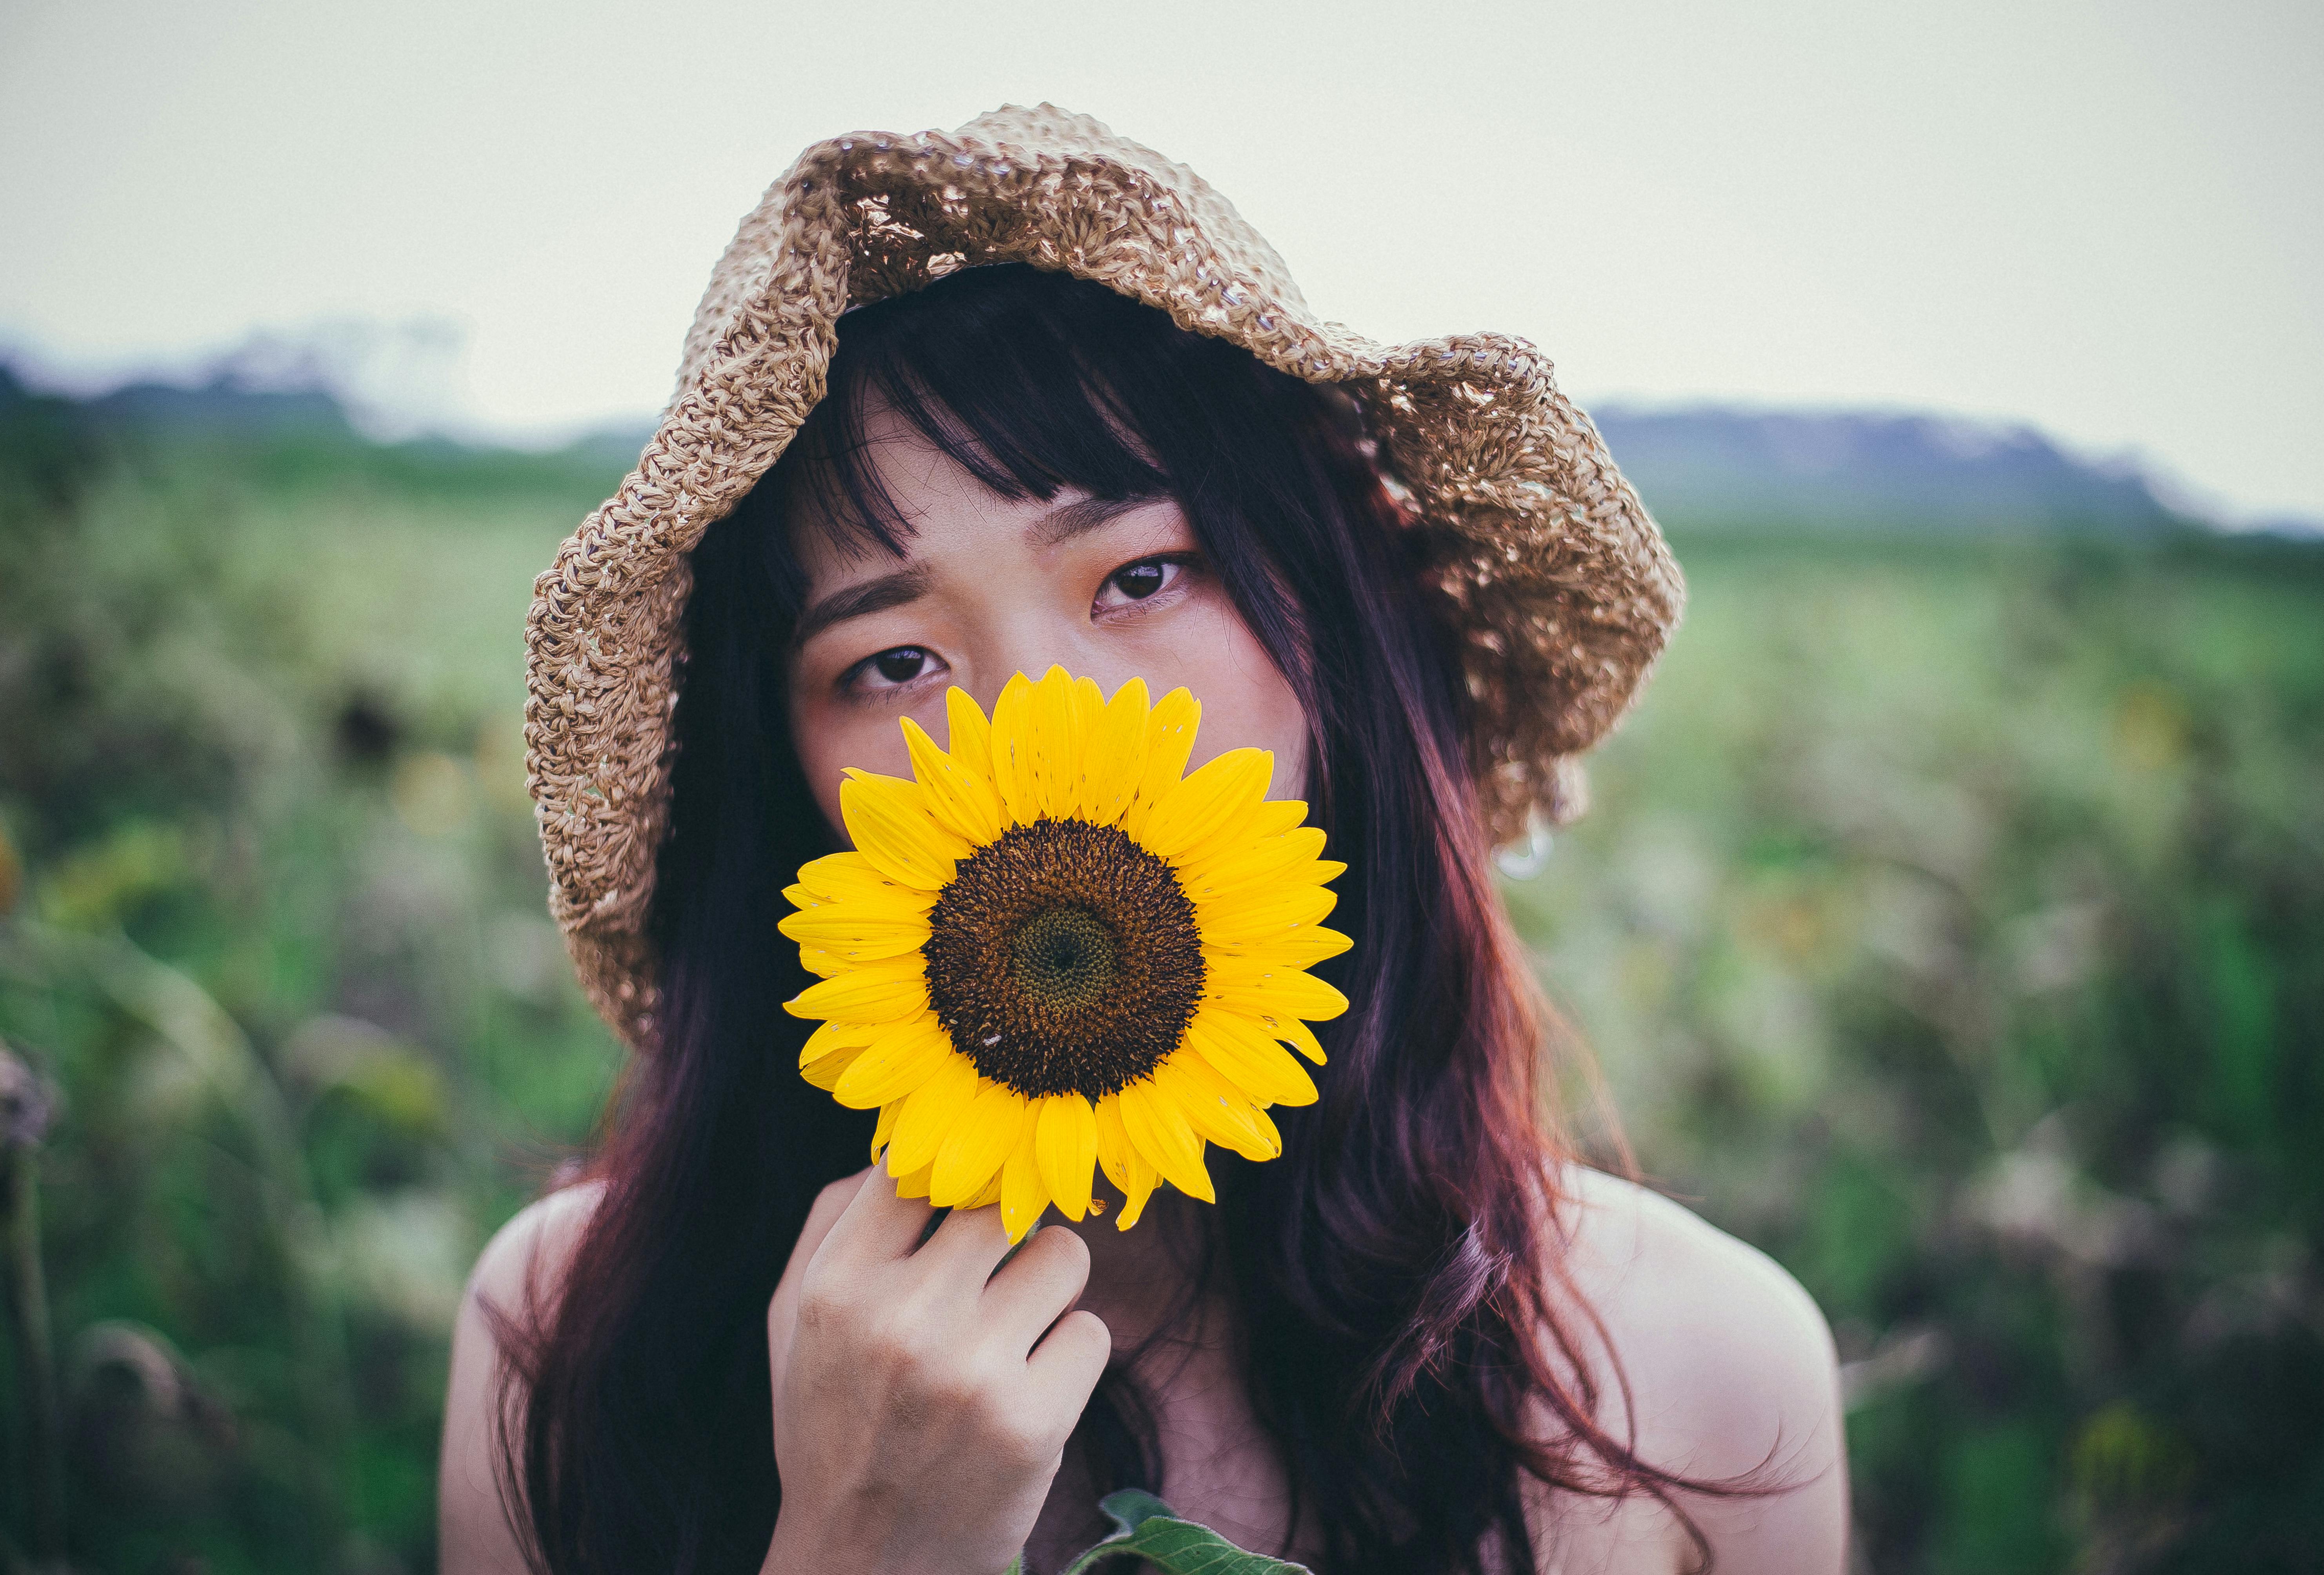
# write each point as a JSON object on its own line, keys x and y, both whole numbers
{"x": 894, "y": 480}
{"x": 933, "y": 509}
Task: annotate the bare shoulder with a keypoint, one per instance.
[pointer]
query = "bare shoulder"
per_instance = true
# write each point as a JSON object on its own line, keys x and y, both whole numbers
{"x": 523, "y": 1264}
{"x": 526, "y": 1258}
{"x": 1727, "y": 1374}
{"x": 1719, "y": 1341}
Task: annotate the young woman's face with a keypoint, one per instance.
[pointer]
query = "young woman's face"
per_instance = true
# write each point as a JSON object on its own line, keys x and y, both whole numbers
{"x": 990, "y": 587}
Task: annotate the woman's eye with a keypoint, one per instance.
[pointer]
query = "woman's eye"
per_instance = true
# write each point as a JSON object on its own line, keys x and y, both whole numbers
{"x": 883, "y": 672}
{"x": 901, "y": 665}
{"x": 1138, "y": 581}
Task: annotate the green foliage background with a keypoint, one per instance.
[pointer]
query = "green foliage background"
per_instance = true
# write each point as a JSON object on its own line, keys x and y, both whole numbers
{"x": 1950, "y": 924}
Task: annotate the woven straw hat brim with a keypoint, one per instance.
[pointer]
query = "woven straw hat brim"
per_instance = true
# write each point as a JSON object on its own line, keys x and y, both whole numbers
{"x": 1559, "y": 582}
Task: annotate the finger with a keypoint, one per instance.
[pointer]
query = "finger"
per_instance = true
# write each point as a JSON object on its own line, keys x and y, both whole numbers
{"x": 968, "y": 1245}
{"x": 782, "y": 1309}
{"x": 1065, "y": 1368}
{"x": 878, "y": 1227}
{"x": 829, "y": 1204}
{"x": 1036, "y": 1287}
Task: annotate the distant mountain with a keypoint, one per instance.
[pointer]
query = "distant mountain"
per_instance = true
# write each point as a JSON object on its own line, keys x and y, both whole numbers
{"x": 295, "y": 434}
{"x": 1713, "y": 467}
{"x": 218, "y": 408}
{"x": 230, "y": 410}
{"x": 221, "y": 406}
{"x": 1699, "y": 469}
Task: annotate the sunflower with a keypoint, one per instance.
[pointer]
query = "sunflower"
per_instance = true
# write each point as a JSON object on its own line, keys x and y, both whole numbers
{"x": 1054, "y": 950}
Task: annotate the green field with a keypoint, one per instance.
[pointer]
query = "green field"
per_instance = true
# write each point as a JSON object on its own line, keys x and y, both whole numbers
{"x": 1950, "y": 924}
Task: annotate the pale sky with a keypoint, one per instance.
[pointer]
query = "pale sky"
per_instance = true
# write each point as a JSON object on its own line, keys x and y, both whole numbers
{"x": 2106, "y": 220}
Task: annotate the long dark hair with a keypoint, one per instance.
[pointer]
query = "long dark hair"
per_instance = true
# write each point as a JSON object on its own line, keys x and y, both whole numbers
{"x": 1396, "y": 1273}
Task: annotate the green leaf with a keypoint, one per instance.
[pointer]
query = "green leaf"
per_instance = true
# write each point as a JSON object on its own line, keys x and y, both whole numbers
{"x": 1149, "y": 1529}
{"x": 1131, "y": 1508}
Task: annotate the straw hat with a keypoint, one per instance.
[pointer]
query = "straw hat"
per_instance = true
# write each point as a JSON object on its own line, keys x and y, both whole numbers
{"x": 1555, "y": 574}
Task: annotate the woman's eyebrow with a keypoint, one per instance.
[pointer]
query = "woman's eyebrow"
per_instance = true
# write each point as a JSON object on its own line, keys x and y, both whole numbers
{"x": 1082, "y": 516}
{"x": 872, "y": 595}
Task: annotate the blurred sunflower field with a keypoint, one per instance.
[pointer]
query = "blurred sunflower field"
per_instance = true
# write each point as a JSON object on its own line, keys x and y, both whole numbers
{"x": 1950, "y": 924}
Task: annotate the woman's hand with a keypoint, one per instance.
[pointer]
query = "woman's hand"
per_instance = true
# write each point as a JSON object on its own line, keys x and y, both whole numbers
{"x": 921, "y": 1400}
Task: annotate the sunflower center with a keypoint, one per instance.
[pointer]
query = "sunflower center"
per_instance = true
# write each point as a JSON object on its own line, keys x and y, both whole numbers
{"x": 1064, "y": 958}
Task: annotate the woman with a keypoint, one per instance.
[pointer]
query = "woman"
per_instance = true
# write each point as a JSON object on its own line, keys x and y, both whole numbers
{"x": 901, "y": 459}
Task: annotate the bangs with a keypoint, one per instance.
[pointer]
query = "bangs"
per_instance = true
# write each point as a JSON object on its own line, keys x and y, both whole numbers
{"x": 1018, "y": 394}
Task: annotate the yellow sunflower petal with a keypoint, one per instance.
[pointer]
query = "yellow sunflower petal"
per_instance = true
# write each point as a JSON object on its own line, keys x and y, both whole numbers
{"x": 1208, "y": 803}
{"x": 1023, "y": 1193}
{"x": 824, "y": 1071}
{"x": 877, "y": 992}
{"x": 822, "y": 963}
{"x": 1304, "y": 946}
{"x": 968, "y": 736}
{"x": 1068, "y": 1145}
{"x": 833, "y": 1038}
{"x": 1285, "y": 994}
{"x": 1277, "y": 817}
{"x": 1262, "y": 916}
{"x": 1169, "y": 739}
{"x": 1115, "y": 1153}
{"x": 984, "y": 1135}
{"x": 1268, "y": 1134}
{"x": 850, "y": 877}
{"x": 1134, "y": 1199}
{"x": 893, "y": 1065}
{"x": 962, "y": 801}
{"x": 987, "y": 1198}
{"x": 912, "y": 1184}
{"x": 1253, "y": 858}
{"x": 1129, "y": 1171}
{"x": 881, "y": 1130}
{"x": 1159, "y": 1130}
{"x": 1300, "y": 1037}
{"x": 889, "y": 822}
{"x": 1056, "y": 762}
{"x": 1215, "y": 1108}
{"x": 886, "y": 992}
{"x": 860, "y": 932}
{"x": 1118, "y": 752}
{"x": 932, "y": 1111}
{"x": 1251, "y": 1059}
{"x": 1217, "y": 897}
{"x": 1012, "y": 751}
{"x": 1088, "y": 716}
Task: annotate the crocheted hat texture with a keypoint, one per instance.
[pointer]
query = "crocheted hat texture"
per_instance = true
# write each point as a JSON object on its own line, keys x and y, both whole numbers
{"x": 1555, "y": 574}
